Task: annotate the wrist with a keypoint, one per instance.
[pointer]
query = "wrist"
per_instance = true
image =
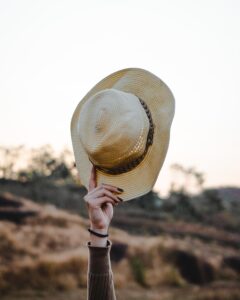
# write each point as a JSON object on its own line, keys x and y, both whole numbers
{"x": 98, "y": 241}
{"x": 103, "y": 230}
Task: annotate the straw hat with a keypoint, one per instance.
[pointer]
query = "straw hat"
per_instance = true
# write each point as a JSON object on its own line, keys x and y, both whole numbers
{"x": 122, "y": 126}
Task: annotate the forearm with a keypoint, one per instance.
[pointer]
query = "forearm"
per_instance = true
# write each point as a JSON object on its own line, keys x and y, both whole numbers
{"x": 100, "y": 276}
{"x": 100, "y": 201}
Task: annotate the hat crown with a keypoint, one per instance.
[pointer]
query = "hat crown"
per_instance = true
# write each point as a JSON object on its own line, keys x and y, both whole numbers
{"x": 113, "y": 128}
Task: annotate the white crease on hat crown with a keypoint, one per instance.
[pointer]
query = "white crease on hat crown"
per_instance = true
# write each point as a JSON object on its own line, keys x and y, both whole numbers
{"x": 113, "y": 128}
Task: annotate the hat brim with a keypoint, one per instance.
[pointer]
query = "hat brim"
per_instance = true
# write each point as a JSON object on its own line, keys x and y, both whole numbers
{"x": 160, "y": 101}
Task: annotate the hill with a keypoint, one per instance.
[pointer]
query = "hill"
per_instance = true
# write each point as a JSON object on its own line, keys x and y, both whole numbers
{"x": 44, "y": 248}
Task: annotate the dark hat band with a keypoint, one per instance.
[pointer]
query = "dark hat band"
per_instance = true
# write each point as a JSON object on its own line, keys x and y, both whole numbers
{"x": 128, "y": 167}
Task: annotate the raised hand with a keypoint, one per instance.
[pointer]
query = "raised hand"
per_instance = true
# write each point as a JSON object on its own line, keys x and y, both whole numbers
{"x": 100, "y": 202}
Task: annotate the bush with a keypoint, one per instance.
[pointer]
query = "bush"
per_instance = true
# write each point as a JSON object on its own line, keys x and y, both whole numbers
{"x": 138, "y": 270}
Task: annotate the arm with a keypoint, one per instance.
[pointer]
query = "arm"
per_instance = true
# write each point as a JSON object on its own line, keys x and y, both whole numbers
{"x": 100, "y": 277}
{"x": 100, "y": 201}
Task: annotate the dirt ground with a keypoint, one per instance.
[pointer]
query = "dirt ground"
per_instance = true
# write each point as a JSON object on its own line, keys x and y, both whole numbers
{"x": 219, "y": 291}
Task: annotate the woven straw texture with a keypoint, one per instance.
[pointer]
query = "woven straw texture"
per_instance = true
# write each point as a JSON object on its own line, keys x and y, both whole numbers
{"x": 160, "y": 101}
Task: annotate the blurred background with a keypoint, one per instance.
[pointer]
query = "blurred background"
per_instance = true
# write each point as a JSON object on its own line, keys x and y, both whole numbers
{"x": 181, "y": 240}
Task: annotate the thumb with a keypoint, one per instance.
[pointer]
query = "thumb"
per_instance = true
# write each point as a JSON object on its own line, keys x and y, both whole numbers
{"x": 108, "y": 209}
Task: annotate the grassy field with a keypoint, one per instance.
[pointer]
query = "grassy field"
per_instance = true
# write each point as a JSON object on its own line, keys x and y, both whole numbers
{"x": 46, "y": 257}
{"x": 220, "y": 291}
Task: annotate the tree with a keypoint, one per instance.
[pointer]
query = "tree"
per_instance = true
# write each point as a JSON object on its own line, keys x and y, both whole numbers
{"x": 10, "y": 157}
{"x": 186, "y": 179}
{"x": 24, "y": 164}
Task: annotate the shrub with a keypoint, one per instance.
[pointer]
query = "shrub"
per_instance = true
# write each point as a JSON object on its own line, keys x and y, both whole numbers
{"x": 138, "y": 270}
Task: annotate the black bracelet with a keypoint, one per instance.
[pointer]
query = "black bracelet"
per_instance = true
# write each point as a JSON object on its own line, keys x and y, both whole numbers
{"x": 96, "y": 233}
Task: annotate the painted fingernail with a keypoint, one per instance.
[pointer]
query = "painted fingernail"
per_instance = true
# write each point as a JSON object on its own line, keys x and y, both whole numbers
{"x": 120, "y": 190}
{"x": 120, "y": 198}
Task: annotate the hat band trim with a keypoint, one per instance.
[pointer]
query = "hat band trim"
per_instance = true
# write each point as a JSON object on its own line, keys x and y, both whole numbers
{"x": 128, "y": 167}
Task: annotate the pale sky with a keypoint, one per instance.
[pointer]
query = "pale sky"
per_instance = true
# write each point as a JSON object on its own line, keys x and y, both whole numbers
{"x": 53, "y": 52}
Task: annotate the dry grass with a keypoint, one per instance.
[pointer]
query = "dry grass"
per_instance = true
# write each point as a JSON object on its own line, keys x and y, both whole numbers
{"x": 49, "y": 252}
{"x": 134, "y": 292}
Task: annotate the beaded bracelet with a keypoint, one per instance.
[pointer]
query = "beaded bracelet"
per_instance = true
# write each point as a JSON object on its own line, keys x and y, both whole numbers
{"x": 96, "y": 233}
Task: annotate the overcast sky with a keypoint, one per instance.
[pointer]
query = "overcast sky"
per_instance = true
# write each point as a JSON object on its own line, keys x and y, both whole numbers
{"x": 53, "y": 52}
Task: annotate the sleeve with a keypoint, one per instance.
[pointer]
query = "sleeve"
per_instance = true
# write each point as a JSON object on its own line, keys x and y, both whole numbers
{"x": 100, "y": 276}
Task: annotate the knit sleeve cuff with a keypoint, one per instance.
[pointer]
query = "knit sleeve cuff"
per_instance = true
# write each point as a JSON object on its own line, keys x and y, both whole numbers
{"x": 99, "y": 258}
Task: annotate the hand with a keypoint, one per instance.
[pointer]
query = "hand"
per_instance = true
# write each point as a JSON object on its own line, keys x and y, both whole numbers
{"x": 100, "y": 201}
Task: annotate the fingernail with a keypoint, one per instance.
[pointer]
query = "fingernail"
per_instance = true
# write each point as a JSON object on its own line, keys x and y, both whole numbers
{"x": 120, "y": 190}
{"x": 120, "y": 198}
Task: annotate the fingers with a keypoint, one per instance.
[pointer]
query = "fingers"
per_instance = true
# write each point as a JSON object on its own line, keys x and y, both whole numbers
{"x": 104, "y": 192}
{"x": 98, "y": 195}
{"x": 93, "y": 179}
{"x": 98, "y": 202}
{"x": 112, "y": 188}
{"x": 109, "y": 187}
